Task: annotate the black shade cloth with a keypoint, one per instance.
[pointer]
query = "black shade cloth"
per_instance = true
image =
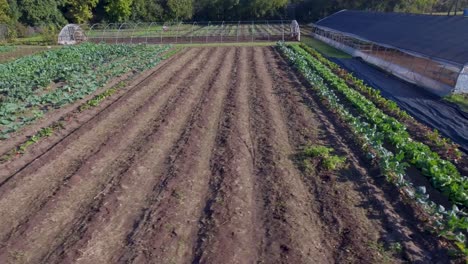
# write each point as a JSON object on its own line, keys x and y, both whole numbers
{"x": 421, "y": 104}
{"x": 442, "y": 37}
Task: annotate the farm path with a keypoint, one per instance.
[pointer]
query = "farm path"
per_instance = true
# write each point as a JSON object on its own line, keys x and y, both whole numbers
{"x": 200, "y": 164}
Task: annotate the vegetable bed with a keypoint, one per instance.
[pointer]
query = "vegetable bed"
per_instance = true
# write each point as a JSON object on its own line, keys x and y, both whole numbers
{"x": 33, "y": 85}
{"x": 376, "y": 131}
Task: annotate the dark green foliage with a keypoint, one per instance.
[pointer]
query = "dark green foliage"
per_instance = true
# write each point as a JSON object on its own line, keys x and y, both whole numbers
{"x": 4, "y": 12}
{"x": 40, "y": 12}
{"x": 180, "y": 9}
{"x": 118, "y": 10}
{"x": 79, "y": 11}
{"x": 312, "y": 10}
{"x": 147, "y": 11}
{"x": 60, "y": 12}
{"x": 233, "y": 10}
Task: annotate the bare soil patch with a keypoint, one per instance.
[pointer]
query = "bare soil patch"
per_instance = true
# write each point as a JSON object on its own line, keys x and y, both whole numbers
{"x": 200, "y": 163}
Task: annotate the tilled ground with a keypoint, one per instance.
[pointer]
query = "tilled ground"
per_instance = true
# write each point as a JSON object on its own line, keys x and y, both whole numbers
{"x": 199, "y": 163}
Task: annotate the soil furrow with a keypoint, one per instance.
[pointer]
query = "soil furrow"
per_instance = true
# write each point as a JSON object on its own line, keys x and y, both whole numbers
{"x": 166, "y": 230}
{"x": 106, "y": 233}
{"x": 229, "y": 220}
{"x": 293, "y": 232}
{"x": 345, "y": 223}
{"x": 204, "y": 161}
{"x": 69, "y": 205}
{"x": 34, "y": 189}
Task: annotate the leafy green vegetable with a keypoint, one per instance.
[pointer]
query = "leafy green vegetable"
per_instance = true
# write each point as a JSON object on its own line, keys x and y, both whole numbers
{"x": 451, "y": 224}
{"x": 33, "y": 85}
{"x": 443, "y": 174}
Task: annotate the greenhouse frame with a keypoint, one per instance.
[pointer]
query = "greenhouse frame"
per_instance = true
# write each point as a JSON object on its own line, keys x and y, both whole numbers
{"x": 429, "y": 51}
{"x": 180, "y": 32}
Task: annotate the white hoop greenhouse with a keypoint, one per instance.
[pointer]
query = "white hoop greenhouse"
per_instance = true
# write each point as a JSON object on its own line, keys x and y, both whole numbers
{"x": 181, "y": 32}
{"x": 71, "y": 34}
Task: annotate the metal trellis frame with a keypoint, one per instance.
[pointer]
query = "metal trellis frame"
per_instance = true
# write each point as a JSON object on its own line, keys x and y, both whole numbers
{"x": 133, "y": 31}
{"x": 191, "y": 32}
{"x": 222, "y": 31}
{"x": 237, "y": 31}
{"x": 118, "y": 32}
{"x": 207, "y": 29}
{"x": 187, "y": 32}
{"x": 282, "y": 26}
{"x": 177, "y": 31}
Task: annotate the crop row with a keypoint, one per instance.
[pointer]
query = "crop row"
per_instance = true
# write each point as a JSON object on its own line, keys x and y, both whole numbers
{"x": 4, "y": 49}
{"x": 33, "y": 85}
{"x": 58, "y": 125}
{"x": 451, "y": 224}
{"x": 443, "y": 175}
{"x": 449, "y": 149}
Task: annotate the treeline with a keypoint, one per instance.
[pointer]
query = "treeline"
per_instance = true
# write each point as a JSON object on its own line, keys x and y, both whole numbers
{"x": 60, "y": 12}
{"x": 311, "y": 10}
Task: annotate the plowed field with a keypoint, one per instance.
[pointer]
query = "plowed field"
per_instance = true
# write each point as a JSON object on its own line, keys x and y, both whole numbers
{"x": 198, "y": 162}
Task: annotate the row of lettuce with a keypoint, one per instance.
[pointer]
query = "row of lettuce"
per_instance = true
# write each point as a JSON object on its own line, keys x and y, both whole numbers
{"x": 443, "y": 146}
{"x": 33, "y": 85}
{"x": 387, "y": 142}
{"x": 5, "y": 49}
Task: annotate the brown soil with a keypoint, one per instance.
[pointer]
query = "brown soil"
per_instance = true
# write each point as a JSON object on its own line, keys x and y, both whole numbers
{"x": 199, "y": 162}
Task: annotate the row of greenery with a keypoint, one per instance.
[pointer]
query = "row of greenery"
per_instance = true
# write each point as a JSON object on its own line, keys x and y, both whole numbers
{"x": 314, "y": 9}
{"x": 59, "y": 12}
{"x": 4, "y": 49}
{"x": 451, "y": 224}
{"x": 33, "y": 85}
{"x": 59, "y": 125}
{"x": 443, "y": 174}
{"x": 450, "y": 150}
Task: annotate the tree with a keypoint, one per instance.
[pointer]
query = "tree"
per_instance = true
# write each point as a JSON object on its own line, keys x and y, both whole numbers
{"x": 217, "y": 10}
{"x": 80, "y": 11}
{"x": 4, "y": 12}
{"x": 41, "y": 12}
{"x": 239, "y": 9}
{"x": 415, "y": 6}
{"x": 180, "y": 9}
{"x": 147, "y": 11}
{"x": 15, "y": 12}
{"x": 118, "y": 10}
{"x": 57, "y": 12}
{"x": 312, "y": 10}
{"x": 263, "y": 8}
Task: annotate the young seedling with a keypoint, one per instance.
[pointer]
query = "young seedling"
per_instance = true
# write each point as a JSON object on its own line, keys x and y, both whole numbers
{"x": 334, "y": 162}
{"x": 327, "y": 161}
{"x": 317, "y": 151}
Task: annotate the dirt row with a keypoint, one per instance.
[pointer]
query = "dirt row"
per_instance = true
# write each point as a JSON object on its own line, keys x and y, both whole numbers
{"x": 200, "y": 163}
